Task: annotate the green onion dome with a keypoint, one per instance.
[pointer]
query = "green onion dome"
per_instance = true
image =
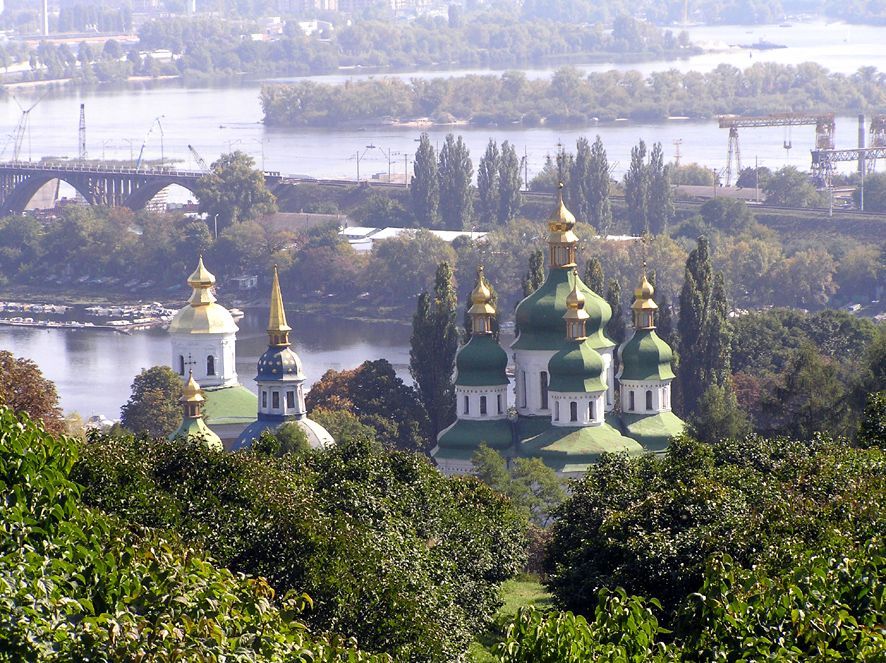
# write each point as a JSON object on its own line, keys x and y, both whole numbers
{"x": 540, "y": 315}
{"x": 645, "y": 356}
{"x": 481, "y": 363}
{"x": 279, "y": 363}
{"x": 576, "y": 368}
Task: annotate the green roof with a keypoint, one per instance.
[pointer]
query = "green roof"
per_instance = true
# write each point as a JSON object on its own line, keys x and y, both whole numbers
{"x": 481, "y": 363}
{"x": 531, "y": 426}
{"x": 229, "y": 405}
{"x": 194, "y": 428}
{"x": 646, "y": 357}
{"x": 653, "y": 431}
{"x": 577, "y": 367}
{"x": 540, "y": 315}
{"x": 573, "y": 449}
{"x": 468, "y": 435}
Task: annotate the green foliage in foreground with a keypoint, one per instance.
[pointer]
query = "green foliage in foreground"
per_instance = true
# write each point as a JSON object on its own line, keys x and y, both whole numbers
{"x": 753, "y": 549}
{"x": 830, "y": 607}
{"x": 649, "y": 525}
{"x": 77, "y": 584}
{"x": 392, "y": 552}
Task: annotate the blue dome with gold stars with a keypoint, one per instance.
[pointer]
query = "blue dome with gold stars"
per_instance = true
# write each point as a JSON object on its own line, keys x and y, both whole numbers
{"x": 279, "y": 363}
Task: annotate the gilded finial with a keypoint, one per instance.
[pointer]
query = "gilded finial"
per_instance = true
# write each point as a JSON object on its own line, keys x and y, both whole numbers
{"x": 575, "y": 316}
{"x": 644, "y": 306}
{"x": 278, "y": 330}
{"x": 482, "y": 311}
{"x": 191, "y": 392}
{"x": 202, "y": 281}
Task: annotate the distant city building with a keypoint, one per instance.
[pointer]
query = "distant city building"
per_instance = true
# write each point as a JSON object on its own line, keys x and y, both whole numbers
{"x": 362, "y": 238}
{"x": 566, "y": 410}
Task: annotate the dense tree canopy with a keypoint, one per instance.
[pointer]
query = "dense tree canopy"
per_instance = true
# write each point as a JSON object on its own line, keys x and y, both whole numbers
{"x": 24, "y": 390}
{"x": 79, "y": 583}
{"x": 153, "y": 407}
{"x": 234, "y": 191}
{"x": 390, "y": 551}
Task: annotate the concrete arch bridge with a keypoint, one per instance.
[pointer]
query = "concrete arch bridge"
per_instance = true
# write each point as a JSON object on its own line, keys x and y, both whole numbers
{"x": 110, "y": 186}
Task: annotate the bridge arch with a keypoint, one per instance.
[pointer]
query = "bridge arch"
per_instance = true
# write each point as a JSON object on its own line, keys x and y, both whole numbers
{"x": 142, "y": 195}
{"x": 21, "y": 194}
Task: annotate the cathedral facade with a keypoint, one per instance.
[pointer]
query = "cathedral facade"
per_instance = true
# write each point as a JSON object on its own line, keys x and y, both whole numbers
{"x": 566, "y": 409}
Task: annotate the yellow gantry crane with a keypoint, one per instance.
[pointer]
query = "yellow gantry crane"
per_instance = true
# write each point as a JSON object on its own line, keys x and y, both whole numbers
{"x": 823, "y": 122}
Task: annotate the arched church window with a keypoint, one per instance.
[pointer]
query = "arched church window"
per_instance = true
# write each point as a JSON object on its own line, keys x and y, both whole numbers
{"x": 543, "y": 379}
{"x": 181, "y": 365}
{"x": 648, "y": 399}
{"x": 290, "y": 400}
{"x": 467, "y": 408}
{"x": 264, "y": 398}
{"x": 482, "y": 404}
{"x": 275, "y": 400}
{"x": 667, "y": 396}
{"x": 210, "y": 365}
{"x": 556, "y": 410}
{"x": 631, "y": 404}
{"x": 573, "y": 411}
{"x": 523, "y": 391}
{"x": 592, "y": 410}
{"x": 498, "y": 399}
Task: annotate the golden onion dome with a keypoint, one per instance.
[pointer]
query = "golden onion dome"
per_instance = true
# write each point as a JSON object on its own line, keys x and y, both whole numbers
{"x": 561, "y": 219}
{"x": 202, "y": 315}
{"x": 645, "y": 290}
{"x": 201, "y": 277}
{"x": 191, "y": 392}
{"x": 575, "y": 301}
{"x": 482, "y": 292}
{"x": 643, "y": 296}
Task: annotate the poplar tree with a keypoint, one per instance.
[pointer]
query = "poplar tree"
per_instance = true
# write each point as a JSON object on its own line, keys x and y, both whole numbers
{"x": 664, "y": 317}
{"x": 661, "y": 198}
{"x": 615, "y": 328}
{"x": 424, "y": 188}
{"x": 456, "y": 190}
{"x": 704, "y": 329}
{"x": 598, "y": 189}
{"x": 535, "y": 276}
{"x": 637, "y": 191}
{"x": 580, "y": 181}
{"x": 433, "y": 346}
{"x": 488, "y": 183}
{"x": 509, "y": 184}
{"x": 594, "y": 275}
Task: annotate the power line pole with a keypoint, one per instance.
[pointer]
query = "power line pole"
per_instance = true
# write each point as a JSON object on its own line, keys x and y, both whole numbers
{"x": 82, "y": 136}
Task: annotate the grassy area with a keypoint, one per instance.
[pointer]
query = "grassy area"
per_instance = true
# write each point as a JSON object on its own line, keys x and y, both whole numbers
{"x": 516, "y": 593}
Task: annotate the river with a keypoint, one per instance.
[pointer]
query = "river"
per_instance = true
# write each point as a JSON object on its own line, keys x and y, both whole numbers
{"x": 93, "y": 370}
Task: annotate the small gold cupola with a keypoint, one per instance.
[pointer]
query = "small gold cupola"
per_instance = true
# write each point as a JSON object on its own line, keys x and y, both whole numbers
{"x": 192, "y": 398}
{"x": 561, "y": 238}
{"x": 644, "y": 307}
{"x": 278, "y": 330}
{"x": 202, "y": 281}
{"x": 576, "y": 317}
{"x": 482, "y": 311}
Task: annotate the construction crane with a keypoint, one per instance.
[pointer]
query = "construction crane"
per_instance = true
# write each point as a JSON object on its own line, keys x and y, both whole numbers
{"x": 824, "y": 132}
{"x": 141, "y": 152}
{"x": 823, "y": 165}
{"x": 18, "y": 135}
{"x": 199, "y": 159}
{"x": 82, "y": 134}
